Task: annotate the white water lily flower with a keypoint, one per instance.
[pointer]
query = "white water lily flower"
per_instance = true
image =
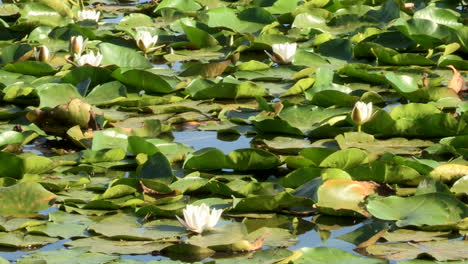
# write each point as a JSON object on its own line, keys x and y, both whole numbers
{"x": 77, "y": 44}
{"x": 198, "y": 218}
{"x": 89, "y": 15}
{"x": 361, "y": 113}
{"x": 90, "y": 59}
{"x": 283, "y": 53}
{"x": 145, "y": 41}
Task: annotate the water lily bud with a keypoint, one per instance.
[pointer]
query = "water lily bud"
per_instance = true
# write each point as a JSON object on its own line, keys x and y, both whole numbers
{"x": 361, "y": 113}
{"x": 198, "y": 218}
{"x": 283, "y": 53}
{"x": 77, "y": 45}
{"x": 75, "y": 112}
{"x": 43, "y": 54}
{"x": 145, "y": 41}
{"x": 88, "y": 15}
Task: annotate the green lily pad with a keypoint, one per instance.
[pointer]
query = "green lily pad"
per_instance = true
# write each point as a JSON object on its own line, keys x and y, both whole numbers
{"x": 107, "y": 246}
{"x": 143, "y": 80}
{"x": 122, "y": 56}
{"x": 126, "y": 227}
{"x": 439, "y": 250}
{"x": 107, "y": 93}
{"x": 345, "y": 159}
{"x": 75, "y": 255}
{"x": 443, "y": 209}
{"x": 252, "y": 159}
{"x": 35, "y": 68}
{"x": 62, "y": 230}
{"x": 328, "y": 255}
{"x": 21, "y": 240}
{"x": 228, "y": 88}
{"x": 24, "y": 199}
{"x": 206, "y": 159}
{"x": 13, "y": 166}
{"x": 53, "y": 94}
{"x": 367, "y": 142}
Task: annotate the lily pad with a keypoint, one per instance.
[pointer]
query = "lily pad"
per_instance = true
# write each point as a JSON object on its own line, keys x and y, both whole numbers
{"x": 439, "y": 250}
{"x": 333, "y": 255}
{"x": 426, "y": 209}
{"x": 24, "y": 199}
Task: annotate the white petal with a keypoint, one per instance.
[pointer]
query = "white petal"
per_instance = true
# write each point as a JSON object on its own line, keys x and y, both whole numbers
{"x": 369, "y": 111}
{"x": 285, "y": 51}
{"x": 214, "y": 218}
{"x": 182, "y": 222}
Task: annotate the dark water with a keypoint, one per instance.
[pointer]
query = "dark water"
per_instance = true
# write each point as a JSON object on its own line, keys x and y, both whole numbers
{"x": 205, "y": 139}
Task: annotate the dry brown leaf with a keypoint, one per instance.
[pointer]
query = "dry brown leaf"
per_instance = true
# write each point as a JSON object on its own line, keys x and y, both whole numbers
{"x": 147, "y": 190}
{"x": 372, "y": 240}
{"x": 456, "y": 83}
{"x": 425, "y": 80}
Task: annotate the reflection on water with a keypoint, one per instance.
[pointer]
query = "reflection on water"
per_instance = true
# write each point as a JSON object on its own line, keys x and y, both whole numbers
{"x": 205, "y": 139}
{"x": 176, "y": 66}
{"x": 113, "y": 20}
{"x": 49, "y": 210}
{"x": 15, "y": 255}
{"x": 389, "y": 107}
{"x": 312, "y": 239}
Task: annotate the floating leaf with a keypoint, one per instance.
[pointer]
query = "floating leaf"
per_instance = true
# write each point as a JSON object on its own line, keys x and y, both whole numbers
{"x": 143, "y": 80}
{"x": 12, "y": 166}
{"x": 122, "y": 56}
{"x": 206, "y": 159}
{"x": 126, "y": 227}
{"x": 426, "y": 209}
{"x": 72, "y": 256}
{"x": 24, "y": 199}
{"x": 21, "y": 240}
{"x": 345, "y": 159}
{"x": 449, "y": 172}
{"x": 326, "y": 255}
{"x": 252, "y": 159}
{"x": 107, "y": 246}
{"x": 439, "y": 250}
{"x": 344, "y": 195}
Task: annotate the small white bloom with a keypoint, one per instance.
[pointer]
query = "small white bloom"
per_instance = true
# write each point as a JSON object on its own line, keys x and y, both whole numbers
{"x": 198, "y": 218}
{"x": 409, "y": 5}
{"x": 145, "y": 41}
{"x": 361, "y": 113}
{"x": 77, "y": 44}
{"x": 90, "y": 59}
{"x": 283, "y": 53}
{"x": 89, "y": 15}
